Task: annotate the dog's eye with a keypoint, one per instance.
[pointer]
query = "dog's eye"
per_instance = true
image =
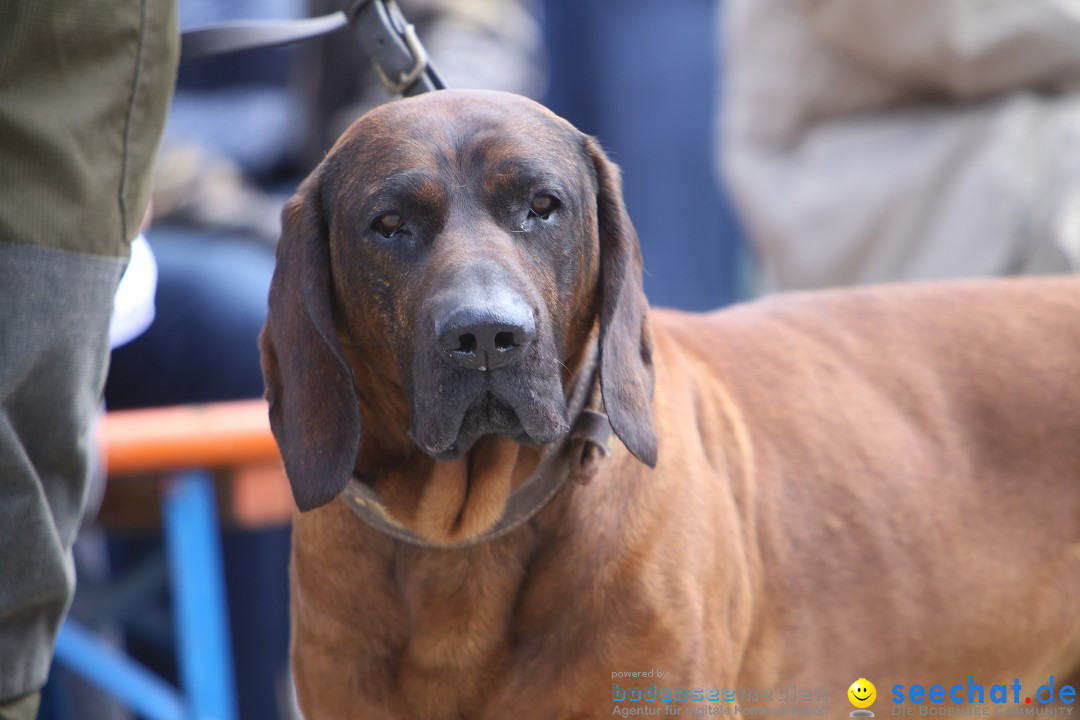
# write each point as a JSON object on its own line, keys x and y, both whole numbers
{"x": 388, "y": 224}
{"x": 543, "y": 205}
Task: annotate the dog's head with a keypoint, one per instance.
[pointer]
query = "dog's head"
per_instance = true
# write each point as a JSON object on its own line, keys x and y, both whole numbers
{"x": 451, "y": 258}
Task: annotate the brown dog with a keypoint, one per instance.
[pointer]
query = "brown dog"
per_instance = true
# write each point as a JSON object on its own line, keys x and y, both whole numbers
{"x": 881, "y": 483}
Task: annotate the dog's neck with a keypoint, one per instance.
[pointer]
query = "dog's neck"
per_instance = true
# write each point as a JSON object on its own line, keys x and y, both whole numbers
{"x": 496, "y": 487}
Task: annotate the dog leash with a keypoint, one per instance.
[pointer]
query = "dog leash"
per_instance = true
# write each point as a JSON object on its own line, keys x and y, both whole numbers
{"x": 390, "y": 40}
{"x": 576, "y": 457}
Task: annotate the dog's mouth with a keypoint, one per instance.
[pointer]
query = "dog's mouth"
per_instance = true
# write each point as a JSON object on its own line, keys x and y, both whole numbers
{"x": 488, "y": 415}
{"x": 452, "y": 410}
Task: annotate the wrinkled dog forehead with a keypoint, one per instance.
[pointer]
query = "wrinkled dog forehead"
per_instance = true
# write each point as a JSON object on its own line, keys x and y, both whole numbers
{"x": 454, "y": 132}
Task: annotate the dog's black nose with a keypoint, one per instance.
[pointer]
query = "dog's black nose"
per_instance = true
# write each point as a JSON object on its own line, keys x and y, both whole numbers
{"x": 485, "y": 339}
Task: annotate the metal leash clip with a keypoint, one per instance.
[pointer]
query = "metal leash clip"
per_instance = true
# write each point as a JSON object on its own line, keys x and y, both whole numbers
{"x": 395, "y": 49}
{"x": 390, "y": 40}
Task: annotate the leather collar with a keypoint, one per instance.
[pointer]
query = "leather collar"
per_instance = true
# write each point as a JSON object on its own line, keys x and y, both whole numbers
{"x": 577, "y": 456}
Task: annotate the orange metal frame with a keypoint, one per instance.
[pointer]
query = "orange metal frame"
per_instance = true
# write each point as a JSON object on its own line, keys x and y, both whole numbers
{"x": 214, "y": 435}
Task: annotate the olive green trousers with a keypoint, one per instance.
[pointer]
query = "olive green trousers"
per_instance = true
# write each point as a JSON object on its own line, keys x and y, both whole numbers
{"x": 84, "y": 89}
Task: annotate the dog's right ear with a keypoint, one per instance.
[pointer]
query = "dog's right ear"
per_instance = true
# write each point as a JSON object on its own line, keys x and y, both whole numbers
{"x": 314, "y": 412}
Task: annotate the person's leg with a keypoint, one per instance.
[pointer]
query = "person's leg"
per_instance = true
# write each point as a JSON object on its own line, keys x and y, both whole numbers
{"x": 53, "y": 323}
{"x": 83, "y": 92}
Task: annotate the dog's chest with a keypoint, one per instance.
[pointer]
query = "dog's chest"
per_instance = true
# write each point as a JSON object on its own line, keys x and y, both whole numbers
{"x": 455, "y": 615}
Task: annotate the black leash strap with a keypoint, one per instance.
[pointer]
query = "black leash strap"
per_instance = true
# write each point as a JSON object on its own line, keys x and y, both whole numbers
{"x": 396, "y": 52}
{"x": 390, "y": 40}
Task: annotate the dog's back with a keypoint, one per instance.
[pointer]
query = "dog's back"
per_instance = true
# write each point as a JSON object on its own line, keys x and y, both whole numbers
{"x": 915, "y": 482}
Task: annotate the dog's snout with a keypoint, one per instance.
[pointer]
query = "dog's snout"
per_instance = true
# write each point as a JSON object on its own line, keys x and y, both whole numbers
{"x": 485, "y": 339}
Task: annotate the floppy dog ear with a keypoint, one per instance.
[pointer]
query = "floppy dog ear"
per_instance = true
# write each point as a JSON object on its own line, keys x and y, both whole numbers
{"x": 626, "y": 368}
{"x": 313, "y": 408}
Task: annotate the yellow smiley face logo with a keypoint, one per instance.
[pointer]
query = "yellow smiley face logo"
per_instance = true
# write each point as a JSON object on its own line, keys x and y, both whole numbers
{"x": 862, "y": 693}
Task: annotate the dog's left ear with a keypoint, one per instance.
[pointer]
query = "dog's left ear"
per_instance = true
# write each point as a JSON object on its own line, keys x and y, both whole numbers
{"x": 626, "y": 367}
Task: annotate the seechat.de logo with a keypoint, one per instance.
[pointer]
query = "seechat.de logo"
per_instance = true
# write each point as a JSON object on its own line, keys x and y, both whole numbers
{"x": 974, "y": 693}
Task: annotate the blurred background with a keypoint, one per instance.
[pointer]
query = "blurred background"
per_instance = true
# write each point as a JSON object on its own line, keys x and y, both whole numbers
{"x": 860, "y": 141}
